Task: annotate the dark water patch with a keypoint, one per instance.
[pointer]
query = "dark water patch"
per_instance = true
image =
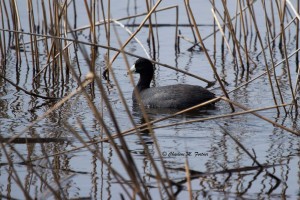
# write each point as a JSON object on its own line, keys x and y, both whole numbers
{"x": 20, "y": 140}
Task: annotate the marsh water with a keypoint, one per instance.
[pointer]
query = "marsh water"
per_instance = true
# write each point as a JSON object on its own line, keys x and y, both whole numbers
{"x": 205, "y": 144}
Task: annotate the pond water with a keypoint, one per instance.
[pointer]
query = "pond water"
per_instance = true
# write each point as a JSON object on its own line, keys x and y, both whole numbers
{"x": 209, "y": 146}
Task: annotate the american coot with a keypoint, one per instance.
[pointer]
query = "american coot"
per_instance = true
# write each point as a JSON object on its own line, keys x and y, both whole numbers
{"x": 171, "y": 96}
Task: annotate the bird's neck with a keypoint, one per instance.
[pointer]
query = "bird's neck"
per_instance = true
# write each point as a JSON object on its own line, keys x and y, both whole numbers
{"x": 144, "y": 82}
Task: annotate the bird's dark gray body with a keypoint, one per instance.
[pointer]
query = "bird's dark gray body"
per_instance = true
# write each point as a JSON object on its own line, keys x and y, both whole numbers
{"x": 174, "y": 96}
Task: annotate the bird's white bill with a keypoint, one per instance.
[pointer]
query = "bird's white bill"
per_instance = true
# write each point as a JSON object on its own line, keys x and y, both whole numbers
{"x": 132, "y": 69}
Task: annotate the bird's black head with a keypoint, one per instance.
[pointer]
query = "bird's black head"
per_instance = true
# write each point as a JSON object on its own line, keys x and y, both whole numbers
{"x": 143, "y": 66}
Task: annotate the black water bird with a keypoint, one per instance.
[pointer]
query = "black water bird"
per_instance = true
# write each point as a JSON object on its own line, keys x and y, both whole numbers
{"x": 177, "y": 96}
